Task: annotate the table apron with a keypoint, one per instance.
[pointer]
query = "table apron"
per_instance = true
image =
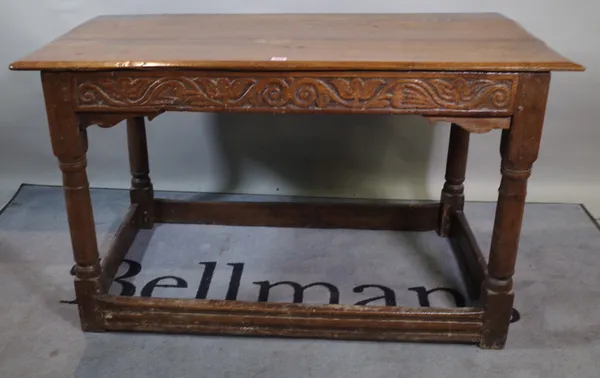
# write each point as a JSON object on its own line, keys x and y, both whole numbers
{"x": 428, "y": 93}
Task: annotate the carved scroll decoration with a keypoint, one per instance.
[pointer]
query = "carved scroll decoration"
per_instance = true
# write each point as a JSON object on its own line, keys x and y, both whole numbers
{"x": 407, "y": 94}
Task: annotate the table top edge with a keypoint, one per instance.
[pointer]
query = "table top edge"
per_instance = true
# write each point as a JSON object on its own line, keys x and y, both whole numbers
{"x": 25, "y": 65}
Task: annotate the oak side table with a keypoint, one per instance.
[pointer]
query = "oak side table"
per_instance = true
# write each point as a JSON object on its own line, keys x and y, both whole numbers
{"x": 478, "y": 72}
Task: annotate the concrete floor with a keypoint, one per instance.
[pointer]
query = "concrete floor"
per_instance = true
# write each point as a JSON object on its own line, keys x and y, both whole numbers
{"x": 557, "y": 296}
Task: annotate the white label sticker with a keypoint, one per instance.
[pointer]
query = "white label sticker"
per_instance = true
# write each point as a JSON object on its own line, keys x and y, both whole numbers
{"x": 279, "y": 58}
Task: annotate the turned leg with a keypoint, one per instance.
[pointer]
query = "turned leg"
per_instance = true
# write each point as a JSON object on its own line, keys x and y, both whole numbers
{"x": 141, "y": 192}
{"x": 69, "y": 144}
{"x": 453, "y": 192}
{"x": 519, "y": 150}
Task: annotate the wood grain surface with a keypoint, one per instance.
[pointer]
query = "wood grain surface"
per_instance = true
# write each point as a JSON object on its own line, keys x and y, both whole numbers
{"x": 484, "y": 41}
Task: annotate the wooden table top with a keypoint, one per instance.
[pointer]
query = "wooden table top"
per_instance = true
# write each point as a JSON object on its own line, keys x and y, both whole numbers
{"x": 448, "y": 42}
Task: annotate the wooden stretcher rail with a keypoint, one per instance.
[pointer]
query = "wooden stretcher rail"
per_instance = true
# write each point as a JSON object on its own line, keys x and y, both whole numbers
{"x": 119, "y": 245}
{"x": 408, "y": 217}
{"x": 111, "y": 302}
{"x": 338, "y": 334}
{"x": 283, "y": 319}
{"x": 468, "y": 254}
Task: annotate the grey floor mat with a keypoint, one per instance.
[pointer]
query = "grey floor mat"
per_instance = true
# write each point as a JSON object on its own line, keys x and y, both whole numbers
{"x": 557, "y": 295}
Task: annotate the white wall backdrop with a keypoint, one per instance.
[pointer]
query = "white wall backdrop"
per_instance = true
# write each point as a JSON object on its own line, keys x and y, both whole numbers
{"x": 390, "y": 157}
